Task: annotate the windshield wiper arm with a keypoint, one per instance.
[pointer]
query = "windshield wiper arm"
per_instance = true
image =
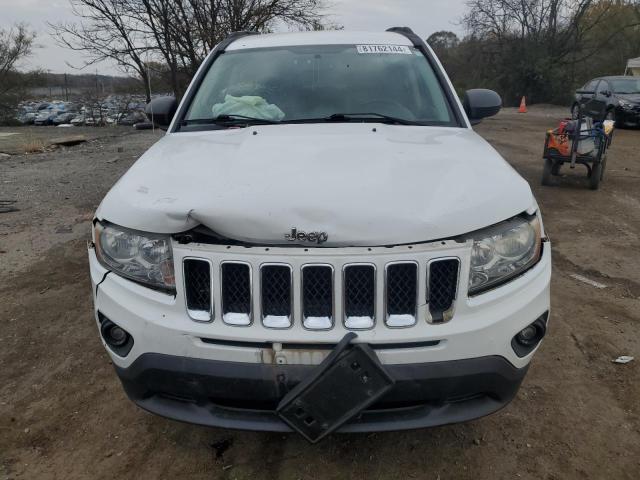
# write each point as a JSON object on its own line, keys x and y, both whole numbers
{"x": 369, "y": 116}
{"x": 226, "y": 119}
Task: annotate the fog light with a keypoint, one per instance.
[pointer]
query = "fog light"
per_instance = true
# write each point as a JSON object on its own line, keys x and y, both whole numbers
{"x": 527, "y": 335}
{"x": 527, "y": 339}
{"x": 117, "y": 336}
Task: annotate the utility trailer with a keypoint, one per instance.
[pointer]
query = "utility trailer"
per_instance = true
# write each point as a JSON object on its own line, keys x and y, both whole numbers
{"x": 580, "y": 142}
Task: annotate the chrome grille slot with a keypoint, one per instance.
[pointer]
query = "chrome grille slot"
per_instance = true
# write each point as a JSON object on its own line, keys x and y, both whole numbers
{"x": 235, "y": 281}
{"x": 197, "y": 284}
{"x": 401, "y": 294}
{"x": 317, "y": 297}
{"x": 442, "y": 288}
{"x": 276, "y": 295}
{"x": 359, "y": 296}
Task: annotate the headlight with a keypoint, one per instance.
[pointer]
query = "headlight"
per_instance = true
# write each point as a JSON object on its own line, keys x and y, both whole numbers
{"x": 625, "y": 104}
{"x": 502, "y": 252}
{"x": 143, "y": 257}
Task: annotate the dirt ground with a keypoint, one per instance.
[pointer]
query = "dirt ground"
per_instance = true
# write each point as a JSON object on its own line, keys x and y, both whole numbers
{"x": 64, "y": 415}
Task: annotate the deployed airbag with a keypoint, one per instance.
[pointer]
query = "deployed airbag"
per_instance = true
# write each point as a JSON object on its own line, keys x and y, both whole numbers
{"x": 248, "y": 106}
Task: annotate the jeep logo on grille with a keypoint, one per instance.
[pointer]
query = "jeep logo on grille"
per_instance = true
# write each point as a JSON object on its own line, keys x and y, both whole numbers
{"x": 317, "y": 237}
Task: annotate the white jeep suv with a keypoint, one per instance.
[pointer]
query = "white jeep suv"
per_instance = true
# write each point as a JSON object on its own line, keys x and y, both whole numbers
{"x": 321, "y": 242}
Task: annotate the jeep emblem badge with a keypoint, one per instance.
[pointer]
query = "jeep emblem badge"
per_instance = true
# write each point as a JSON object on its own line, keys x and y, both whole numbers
{"x": 317, "y": 237}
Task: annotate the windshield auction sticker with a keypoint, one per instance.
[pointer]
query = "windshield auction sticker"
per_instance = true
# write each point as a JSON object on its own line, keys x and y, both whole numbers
{"x": 396, "y": 49}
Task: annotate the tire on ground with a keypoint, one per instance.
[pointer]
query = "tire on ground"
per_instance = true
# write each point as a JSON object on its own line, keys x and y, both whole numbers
{"x": 596, "y": 176}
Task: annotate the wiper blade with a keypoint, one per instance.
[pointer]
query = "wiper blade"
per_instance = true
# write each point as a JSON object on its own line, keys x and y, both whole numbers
{"x": 336, "y": 117}
{"x": 227, "y": 119}
{"x": 233, "y": 118}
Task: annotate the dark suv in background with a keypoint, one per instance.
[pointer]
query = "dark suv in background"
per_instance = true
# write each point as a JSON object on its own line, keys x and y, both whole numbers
{"x": 610, "y": 98}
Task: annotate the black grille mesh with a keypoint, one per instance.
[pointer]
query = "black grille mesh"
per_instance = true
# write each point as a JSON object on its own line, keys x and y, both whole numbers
{"x": 359, "y": 291}
{"x": 402, "y": 289}
{"x": 317, "y": 291}
{"x": 443, "y": 283}
{"x": 276, "y": 290}
{"x": 236, "y": 288}
{"x": 197, "y": 279}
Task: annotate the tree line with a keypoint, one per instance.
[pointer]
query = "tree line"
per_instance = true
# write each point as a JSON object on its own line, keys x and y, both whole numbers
{"x": 541, "y": 49}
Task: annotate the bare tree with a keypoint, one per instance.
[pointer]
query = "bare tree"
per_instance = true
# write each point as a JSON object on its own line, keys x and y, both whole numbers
{"x": 16, "y": 44}
{"x": 184, "y": 31}
{"x": 179, "y": 33}
{"x": 107, "y": 30}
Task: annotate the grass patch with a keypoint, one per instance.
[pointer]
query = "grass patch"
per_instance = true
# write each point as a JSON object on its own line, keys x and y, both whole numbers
{"x": 33, "y": 145}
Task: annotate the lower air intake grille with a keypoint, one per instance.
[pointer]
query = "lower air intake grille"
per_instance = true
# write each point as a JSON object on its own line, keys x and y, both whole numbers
{"x": 197, "y": 280}
{"x": 442, "y": 288}
{"x": 236, "y": 293}
{"x": 359, "y": 296}
{"x": 276, "y": 296}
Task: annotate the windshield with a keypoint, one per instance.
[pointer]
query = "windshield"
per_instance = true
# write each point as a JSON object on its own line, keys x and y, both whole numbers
{"x": 630, "y": 85}
{"x": 314, "y": 83}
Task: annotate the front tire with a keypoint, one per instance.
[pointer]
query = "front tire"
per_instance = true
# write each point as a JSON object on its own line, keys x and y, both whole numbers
{"x": 575, "y": 111}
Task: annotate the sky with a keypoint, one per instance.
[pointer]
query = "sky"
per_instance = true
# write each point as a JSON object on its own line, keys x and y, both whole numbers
{"x": 424, "y": 16}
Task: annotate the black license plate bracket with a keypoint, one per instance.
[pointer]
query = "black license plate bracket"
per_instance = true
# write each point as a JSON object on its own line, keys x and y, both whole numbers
{"x": 349, "y": 380}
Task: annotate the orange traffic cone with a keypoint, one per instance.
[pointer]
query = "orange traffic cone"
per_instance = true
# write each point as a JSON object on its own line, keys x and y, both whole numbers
{"x": 523, "y": 106}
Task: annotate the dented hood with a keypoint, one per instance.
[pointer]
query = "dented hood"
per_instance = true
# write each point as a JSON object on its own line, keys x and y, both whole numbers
{"x": 362, "y": 184}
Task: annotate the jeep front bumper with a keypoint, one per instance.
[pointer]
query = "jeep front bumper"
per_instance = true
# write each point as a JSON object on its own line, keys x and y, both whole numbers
{"x": 233, "y": 377}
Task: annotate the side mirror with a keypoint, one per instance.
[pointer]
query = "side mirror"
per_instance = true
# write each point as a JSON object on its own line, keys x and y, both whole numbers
{"x": 161, "y": 111}
{"x": 480, "y": 103}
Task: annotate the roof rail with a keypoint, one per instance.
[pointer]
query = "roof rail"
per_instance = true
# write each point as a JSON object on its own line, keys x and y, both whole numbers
{"x": 233, "y": 36}
{"x": 402, "y": 30}
{"x": 410, "y": 34}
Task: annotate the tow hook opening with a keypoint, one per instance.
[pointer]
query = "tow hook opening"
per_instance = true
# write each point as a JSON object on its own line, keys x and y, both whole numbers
{"x": 117, "y": 338}
{"x": 527, "y": 339}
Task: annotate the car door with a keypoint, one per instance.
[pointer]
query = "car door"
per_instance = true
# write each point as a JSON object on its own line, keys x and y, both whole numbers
{"x": 601, "y": 100}
{"x": 589, "y": 99}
